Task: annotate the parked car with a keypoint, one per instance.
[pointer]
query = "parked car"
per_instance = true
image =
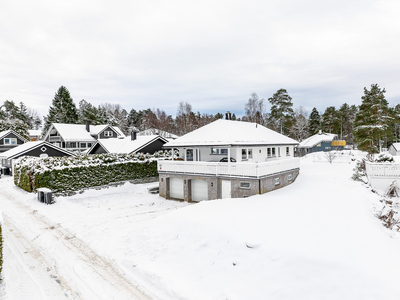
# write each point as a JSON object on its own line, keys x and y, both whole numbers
{"x": 225, "y": 159}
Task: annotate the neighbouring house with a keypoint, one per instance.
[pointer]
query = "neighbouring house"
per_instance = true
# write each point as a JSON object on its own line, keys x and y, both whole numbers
{"x": 36, "y": 148}
{"x": 320, "y": 142}
{"x": 153, "y": 131}
{"x": 228, "y": 159}
{"x": 129, "y": 145}
{"x": 34, "y": 134}
{"x": 9, "y": 139}
{"x": 394, "y": 149}
{"x": 79, "y": 136}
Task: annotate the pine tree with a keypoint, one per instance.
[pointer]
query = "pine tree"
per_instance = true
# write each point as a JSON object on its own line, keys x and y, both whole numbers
{"x": 373, "y": 120}
{"x": 330, "y": 121}
{"x": 17, "y": 125}
{"x": 314, "y": 122}
{"x": 282, "y": 113}
{"x": 346, "y": 115}
{"x": 63, "y": 109}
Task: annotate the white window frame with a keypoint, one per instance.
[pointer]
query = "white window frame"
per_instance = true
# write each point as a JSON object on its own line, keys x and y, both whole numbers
{"x": 277, "y": 181}
{"x": 289, "y": 177}
{"x": 244, "y": 185}
{"x": 288, "y": 151}
{"x": 247, "y": 153}
{"x": 108, "y": 133}
{"x": 10, "y": 141}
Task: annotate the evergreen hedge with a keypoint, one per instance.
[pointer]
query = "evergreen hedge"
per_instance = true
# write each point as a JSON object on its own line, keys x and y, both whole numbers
{"x": 64, "y": 175}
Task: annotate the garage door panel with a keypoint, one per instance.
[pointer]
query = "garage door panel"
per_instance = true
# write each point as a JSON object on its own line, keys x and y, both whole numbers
{"x": 199, "y": 190}
{"x": 176, "y": 188}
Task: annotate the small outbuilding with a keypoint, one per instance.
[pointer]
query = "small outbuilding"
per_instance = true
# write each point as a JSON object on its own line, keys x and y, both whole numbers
{"x": 394, "y": 149}
{"x": 36, "y": 149}
{"x": 320, "y": 142}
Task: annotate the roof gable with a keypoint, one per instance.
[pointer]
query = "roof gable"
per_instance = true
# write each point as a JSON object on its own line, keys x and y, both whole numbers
{"x": 126, "y": 145}
{"x": 316, "y": 139}
{"x": 227, "y": 132}
{"x": 29, "y": 146}
{"x": 4, "y": 134}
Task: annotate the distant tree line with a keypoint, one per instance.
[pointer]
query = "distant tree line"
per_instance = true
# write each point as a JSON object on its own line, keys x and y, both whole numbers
{"x": 371, "y": 125}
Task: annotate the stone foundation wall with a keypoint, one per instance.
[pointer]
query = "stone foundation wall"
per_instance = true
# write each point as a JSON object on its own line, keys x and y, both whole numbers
{"x": 240, "y": 187}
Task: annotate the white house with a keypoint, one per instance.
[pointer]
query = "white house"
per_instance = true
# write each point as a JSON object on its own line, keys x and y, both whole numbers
{"x": 394, "y": 149}
{"x": 227, "y": 159}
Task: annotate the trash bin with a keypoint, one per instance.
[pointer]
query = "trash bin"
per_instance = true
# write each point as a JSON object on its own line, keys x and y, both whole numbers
{"x": 45, "y": 195}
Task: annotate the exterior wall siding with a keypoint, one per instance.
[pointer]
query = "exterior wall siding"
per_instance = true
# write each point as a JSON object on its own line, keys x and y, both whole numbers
{"x": 214, "y": 184}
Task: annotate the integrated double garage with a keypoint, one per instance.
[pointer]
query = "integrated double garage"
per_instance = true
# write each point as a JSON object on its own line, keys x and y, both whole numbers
{"x": 198, "y": 188}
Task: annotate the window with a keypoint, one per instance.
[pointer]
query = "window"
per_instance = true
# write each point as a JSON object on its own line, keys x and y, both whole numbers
{"x": 327, "y": 148}
{"x": 277, "y": 181}
{"x": 289, "y": 177}
{"x": 71, "y": 144}
{"x": 108, "y": 133}
{"x": 89, "y": 145}
{"x": 247, "y": 153}
{"x": 219, "y": 151}
{"x": 319, "y": 145}
{"x": 83, "y": 145}
{"x": 244, "y": 185}
{"x": 189, "y": 154}
{"x": 279, "y": 151}
{"x": 273, "y": 152}
{"x": 288, "y": 152}
{"x": 10, "y": 141}
{"x": 269, "y": 152}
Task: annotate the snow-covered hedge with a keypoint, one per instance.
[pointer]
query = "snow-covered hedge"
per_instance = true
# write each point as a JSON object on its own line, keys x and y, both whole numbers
{"x": 68, "y": 174}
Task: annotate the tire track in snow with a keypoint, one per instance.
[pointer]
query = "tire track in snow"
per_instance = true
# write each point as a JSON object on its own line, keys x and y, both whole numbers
{"x": 104, "y": 269}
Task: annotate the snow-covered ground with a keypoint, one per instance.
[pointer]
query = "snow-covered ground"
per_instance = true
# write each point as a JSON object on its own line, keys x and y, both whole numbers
{"x": 315, "y": 239}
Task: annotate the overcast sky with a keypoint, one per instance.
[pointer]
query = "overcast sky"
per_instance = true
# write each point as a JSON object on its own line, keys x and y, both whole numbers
{"x": 212, "y": 54}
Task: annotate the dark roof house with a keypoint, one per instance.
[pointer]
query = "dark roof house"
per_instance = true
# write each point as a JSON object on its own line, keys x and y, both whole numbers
{"x": 9, "y": 139}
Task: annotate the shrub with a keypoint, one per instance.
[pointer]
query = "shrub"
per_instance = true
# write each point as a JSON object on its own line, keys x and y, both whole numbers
{"x": 68, "y": 174}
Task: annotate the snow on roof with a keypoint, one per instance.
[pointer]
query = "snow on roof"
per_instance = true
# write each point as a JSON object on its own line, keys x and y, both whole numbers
{"x": 227, "y": 132}
{"x": 396, "y": 146}
{"x": 23, "y": 148}
{"x": 34, "y": 132}
{"x": 4, "y": 133}
{"x": 152, "y": 131}
{"x": 126, "y": 145}
{"x": 316, "y": 139}
{"x": 73, "y": 132}
{"x": 78, "y": 132}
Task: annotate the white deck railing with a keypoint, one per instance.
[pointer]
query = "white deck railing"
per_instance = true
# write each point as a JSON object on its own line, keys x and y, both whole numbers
{"x": 382, "y": 170}
{"x": 234, "y": 169}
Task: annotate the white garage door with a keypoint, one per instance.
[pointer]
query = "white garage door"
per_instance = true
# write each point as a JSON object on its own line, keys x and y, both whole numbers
{"x": 176, "y": 188}
{"x": 199, "y": 190}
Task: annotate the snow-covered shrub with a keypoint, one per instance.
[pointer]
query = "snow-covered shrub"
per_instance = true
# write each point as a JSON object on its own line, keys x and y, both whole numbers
{"x": 360, "y": 171}
{"x": 68, "y": 174}
{"x": 384, "y": 157}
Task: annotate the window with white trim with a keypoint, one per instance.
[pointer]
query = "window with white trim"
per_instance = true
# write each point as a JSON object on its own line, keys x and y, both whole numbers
{"x": 10, "y": 141}
{"x": 289, "y": 177}
{"x": 219, "y": 151}
{"x": 244, "y": 185}
{"x": 277, "y": 181}
{"x": 269, "y": 152}
{"x": 108, "y": 133}
{"x": 247, "y": 154}
{"x": 273, "y": 152}
{"x": 287, "y": 151}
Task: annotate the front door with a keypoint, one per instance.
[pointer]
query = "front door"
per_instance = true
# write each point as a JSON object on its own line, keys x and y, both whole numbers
{"x": 226, "y": 189}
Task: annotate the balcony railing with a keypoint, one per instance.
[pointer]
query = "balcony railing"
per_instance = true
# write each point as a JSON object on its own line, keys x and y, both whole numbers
{"x": 384, "y": 170}
{"x": 234, "y": 169}
{"x": 55, "y": 139}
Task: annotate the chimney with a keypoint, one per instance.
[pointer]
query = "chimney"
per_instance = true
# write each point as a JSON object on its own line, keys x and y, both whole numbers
{"x": 87, "y": 125}
{"x": 133, "y": 135}
{"x": 228, "y": 115}
{"x": 320, "y": 131}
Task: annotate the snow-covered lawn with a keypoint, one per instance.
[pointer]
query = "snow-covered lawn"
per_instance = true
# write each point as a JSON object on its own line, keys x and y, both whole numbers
{"x": 315, "y": 239}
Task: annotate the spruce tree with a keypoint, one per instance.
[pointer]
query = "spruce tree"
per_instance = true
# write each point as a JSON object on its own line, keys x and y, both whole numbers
{"x": 17, "y": 125}
{"x": 314, "y": 122}
{"x": 63, "y": 109}
{"x": 282, "y": 113}
{"x": 330, "y": 121}
{"x": 373, "y": 120}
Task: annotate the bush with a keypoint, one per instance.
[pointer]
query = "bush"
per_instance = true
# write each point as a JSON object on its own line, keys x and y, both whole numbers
{"x": 69, "y": 174}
